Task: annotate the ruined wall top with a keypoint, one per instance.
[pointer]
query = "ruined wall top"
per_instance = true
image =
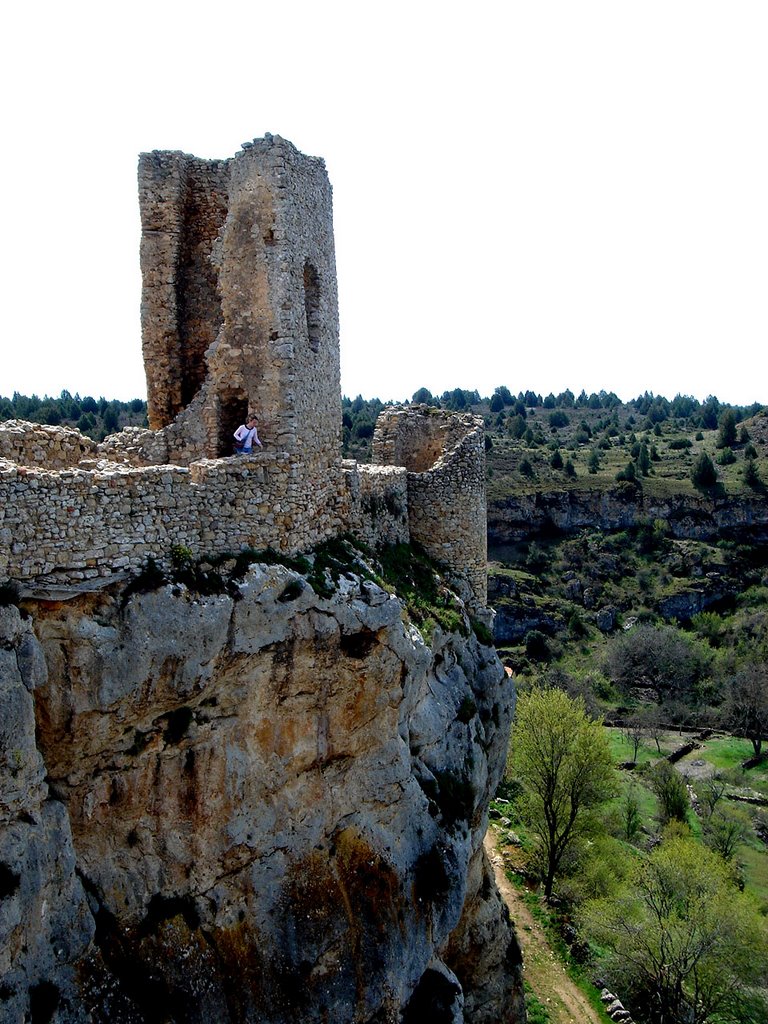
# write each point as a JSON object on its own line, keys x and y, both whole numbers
{"x": 444, "y": 455}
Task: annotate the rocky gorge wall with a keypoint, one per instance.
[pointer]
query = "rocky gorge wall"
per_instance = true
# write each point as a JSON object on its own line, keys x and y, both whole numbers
{"x": 523, "y": 516}
{"x": 263, "y": 805}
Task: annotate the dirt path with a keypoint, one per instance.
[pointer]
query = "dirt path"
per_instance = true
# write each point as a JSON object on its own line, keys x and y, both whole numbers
{"x": 542, "y": 970}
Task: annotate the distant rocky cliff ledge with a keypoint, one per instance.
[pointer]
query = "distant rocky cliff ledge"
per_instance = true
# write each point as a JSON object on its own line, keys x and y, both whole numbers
{"x": 523, "y": 516}
{"x": 262, "y": 805}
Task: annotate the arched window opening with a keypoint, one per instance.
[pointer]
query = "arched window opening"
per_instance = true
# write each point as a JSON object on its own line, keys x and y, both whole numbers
{"x": 312, "y": 305}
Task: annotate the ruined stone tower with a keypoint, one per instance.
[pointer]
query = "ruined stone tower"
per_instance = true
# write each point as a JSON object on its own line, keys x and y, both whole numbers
{"x": 239, "y": 312}
{"x": 239, "y": 303}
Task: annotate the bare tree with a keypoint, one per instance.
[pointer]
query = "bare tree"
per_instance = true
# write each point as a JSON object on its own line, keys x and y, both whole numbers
{"x": 659, "y": 659}
{"x": 746, "y": 706}
{"x": 711, "y": 791}
{"x": 633, "y": 733}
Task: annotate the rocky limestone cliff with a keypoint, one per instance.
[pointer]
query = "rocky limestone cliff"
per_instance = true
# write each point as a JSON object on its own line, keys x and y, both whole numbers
{"x": 262, "y": 806}
{"x": 522, "y": 516}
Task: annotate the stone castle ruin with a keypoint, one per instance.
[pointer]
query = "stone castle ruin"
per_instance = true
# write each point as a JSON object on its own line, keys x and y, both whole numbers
{"x": 239, "y": 312}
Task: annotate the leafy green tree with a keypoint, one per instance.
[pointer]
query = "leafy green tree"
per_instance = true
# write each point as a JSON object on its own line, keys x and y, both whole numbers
{"x": 593, "y": 462}
{"x": 563, "y": 760}
{"x": 556, "y": 462}
{"x": 629, "y": 473}
{"x": 685, "y": 945}
{"x": 710, "y": 413}
{"x": 516, "y": 427}
{"x": 423, "y": 397}
{"x": 110, "y": 419}
{"x": 631, "y": 820}
{"x": 644, "y": 460}
{"x": 536, "y": 645}
{"x": 724, "y": 830}
{"x": 558, "y": 419}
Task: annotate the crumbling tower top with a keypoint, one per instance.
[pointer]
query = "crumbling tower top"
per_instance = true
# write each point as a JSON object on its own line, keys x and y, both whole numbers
{"x": 239, "y": 301}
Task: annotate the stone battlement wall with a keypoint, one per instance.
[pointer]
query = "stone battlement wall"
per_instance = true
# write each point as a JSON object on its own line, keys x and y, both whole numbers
{"x": 34, "y": 444}
{"x": 91, "y": 517}
{"x": 69, "y": 525}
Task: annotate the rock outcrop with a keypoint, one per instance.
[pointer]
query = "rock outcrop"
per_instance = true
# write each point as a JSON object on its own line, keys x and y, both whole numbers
{"x": 523, "y": 516}
{"x": 264, "y": 805}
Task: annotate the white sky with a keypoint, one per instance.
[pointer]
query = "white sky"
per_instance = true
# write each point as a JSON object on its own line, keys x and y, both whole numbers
{"x": 570, "y": 193}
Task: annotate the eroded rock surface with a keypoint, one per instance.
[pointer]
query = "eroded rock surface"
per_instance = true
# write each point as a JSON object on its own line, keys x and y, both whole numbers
{"x": 264, "y": 808}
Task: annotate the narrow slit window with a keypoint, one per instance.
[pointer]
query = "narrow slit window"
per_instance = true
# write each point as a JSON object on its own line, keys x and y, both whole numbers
{"x": 312, "y": 305}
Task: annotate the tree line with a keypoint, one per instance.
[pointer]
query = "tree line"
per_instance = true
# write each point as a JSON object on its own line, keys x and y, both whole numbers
{"x": 511, "y": 412}
{"x": 94, "y": 417}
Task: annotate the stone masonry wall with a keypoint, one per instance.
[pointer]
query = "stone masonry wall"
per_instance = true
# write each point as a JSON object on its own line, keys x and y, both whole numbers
{"x": 34, "y": 444}
{"x": 85, "y": 521}
{"x": 445, "y": 458}
{"x": 377, "y": 512}
{"x": 183, "y": 204}
{"x": 70, "y": 512}
{"x": 239, "y": 303}
{"x": 79, "y": 524}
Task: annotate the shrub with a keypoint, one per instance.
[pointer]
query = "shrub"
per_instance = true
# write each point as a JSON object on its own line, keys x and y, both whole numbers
{"x": 669, "y": 787}
{"x": 558, "y": 419}
{"x": 703, "y": 473}
{"x": 751, "y": 475}
{"x": 483, "y": 634}
{"x": 536, "y": 646}
{"x": 151, "y": 577}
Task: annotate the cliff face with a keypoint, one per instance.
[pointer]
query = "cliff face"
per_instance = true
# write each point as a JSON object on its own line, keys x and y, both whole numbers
{"x": 268, "y": 808}
{"x": 521, "y": 516}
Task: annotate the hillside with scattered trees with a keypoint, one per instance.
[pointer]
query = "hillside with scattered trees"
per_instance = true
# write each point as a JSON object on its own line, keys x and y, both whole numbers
{"x": 634, "y": 810}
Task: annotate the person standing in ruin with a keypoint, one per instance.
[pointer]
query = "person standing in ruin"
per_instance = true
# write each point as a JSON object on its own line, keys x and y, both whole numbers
{"x": 246, "y": 436}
